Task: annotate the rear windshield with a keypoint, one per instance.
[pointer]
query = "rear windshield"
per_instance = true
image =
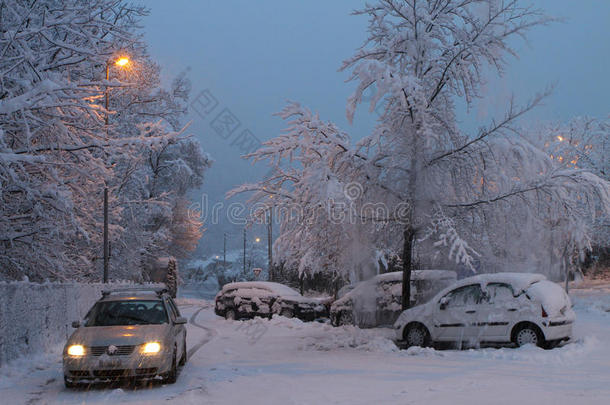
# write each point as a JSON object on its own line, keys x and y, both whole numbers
{"x": 113, "y": 313}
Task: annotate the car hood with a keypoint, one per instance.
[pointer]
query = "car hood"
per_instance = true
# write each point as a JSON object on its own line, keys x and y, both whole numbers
{"x": 119, "y": 335}
{"x": 414, "y": 313}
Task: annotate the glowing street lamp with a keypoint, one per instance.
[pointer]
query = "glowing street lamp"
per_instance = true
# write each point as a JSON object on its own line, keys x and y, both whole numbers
{"x": 257, "y": 239}
{"x": 120, "y": 62}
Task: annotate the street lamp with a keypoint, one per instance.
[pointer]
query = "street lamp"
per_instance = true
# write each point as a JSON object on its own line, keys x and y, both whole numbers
{"x": 257, "y": 239}
{"x": 121, "y": 62}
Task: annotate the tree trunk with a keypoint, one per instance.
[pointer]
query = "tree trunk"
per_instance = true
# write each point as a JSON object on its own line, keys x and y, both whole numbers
{"x": 409, "y": 235}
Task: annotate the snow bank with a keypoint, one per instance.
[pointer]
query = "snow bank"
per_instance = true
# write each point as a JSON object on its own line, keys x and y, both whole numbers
{"x": 37, "y": 317}
{"x": 568, "y": 354}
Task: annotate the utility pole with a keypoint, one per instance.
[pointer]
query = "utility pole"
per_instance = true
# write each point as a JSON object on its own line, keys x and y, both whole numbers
{"x": 224, "y": 253}
{"x": 121, "y": 62}
{"x": 269, "y": 243}
{"x": 106, "y": 246}
{"x": 244, "y": 251}
{"x": 107, "y": 79}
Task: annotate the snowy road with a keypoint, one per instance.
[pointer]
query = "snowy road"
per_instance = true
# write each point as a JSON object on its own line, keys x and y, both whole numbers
{"x": 284, "y": 361}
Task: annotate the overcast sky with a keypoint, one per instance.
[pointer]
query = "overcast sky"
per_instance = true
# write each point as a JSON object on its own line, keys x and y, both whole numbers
{"x": 250, "y": 57}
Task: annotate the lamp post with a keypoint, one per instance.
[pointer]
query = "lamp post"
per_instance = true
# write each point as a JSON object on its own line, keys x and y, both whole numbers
{"x": 224, "y": 253}
{"x": 121, "y": 62}
{"x": 270, "y": 244}
{"x": 244, "y": 251}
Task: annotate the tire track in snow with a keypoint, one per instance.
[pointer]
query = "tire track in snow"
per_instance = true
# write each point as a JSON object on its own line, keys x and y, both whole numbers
{"x": 210, "y": 333}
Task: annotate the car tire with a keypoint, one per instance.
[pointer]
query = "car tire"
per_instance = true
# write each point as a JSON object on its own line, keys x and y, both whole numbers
{"x": 527, "y": 333}
{"x": 183, "y": 359}
{"x": 416, "y": 334}
{"x": 69, "y": 384}
{"x": 172, "y": 374}
{"x": 230, "y": 315}
{"x": 287, "y": 313}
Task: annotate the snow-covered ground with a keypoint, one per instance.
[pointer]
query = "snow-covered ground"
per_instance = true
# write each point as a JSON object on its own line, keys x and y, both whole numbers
{"x": 286, "y": 361}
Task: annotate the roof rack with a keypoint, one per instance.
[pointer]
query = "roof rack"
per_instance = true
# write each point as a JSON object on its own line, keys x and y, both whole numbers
{"x": 157, "y": 290}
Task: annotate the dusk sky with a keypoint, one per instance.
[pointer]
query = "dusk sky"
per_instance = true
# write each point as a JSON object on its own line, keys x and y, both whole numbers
{"x": 254, "y": 56}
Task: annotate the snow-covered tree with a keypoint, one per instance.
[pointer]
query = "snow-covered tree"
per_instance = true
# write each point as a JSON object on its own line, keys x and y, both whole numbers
{"x": 151, "y": 184}
{"x": 582, "y": 144}
{"x": 421, "y": 56}
{"x": 302, "y": 195}
{"x": 56, "y": 152}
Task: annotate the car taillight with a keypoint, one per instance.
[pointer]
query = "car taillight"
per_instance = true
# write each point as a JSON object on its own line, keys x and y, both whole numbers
{"x": 544, "y": 314}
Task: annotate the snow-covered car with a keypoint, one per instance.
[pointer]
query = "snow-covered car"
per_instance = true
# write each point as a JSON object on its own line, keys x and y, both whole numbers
{"x": 501, "y": 308}
{"x": 377, "y": 301}
{"x": 127, "y": 334}
{"x": 262, "y": 298}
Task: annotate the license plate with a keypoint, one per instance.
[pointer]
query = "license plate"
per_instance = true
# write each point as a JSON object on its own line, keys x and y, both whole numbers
{"x": 110, "y": 363}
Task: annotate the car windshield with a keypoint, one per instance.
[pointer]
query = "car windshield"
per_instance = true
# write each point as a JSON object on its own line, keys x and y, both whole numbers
{"x": 284, "y": 290}
{"x": 114, "y": 313}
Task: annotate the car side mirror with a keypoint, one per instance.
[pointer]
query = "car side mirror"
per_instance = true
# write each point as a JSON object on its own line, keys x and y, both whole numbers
{"x": 180, "y": 320}
{"x": 76, "y": 324}
{"x": 444, "y": 301}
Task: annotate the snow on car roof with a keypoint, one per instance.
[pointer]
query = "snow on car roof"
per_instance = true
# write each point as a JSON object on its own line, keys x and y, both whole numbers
{"x": 263, "y": 285}
{"x": 417, "y": 275}
{"x": 519, "y": 281}
{"x": 395, "y": 276}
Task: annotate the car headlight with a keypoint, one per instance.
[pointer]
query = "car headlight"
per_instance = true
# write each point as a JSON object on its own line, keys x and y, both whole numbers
{"x": 76, "y": 350}
{"x": 151, "y": 348}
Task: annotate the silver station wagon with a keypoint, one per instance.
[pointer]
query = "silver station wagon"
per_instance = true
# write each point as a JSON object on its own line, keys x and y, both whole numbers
{"x": 127, "y": 334}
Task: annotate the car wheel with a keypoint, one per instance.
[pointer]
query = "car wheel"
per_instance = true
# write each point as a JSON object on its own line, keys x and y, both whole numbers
{"x": 230, "y": 315}
{"x": 183, "y": 358}
{"x": 172, "y": 374}
{"x": 528, "y": 334}
{"x": 69, "y": 384}
{"x": 416, "y": 335}
{"x": 287, "y": 312}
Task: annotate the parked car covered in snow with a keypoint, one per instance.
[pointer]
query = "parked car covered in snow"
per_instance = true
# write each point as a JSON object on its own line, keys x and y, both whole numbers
{"x": 522, "y": 308}
{"x": 262, "y": 298}
{"x": 377, "y": 301}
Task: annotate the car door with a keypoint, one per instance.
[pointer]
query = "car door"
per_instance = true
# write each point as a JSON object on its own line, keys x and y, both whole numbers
{"x": 455, "y": 313}
{"x": 178, "y": 330}
{"x": 495, "y": 312}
